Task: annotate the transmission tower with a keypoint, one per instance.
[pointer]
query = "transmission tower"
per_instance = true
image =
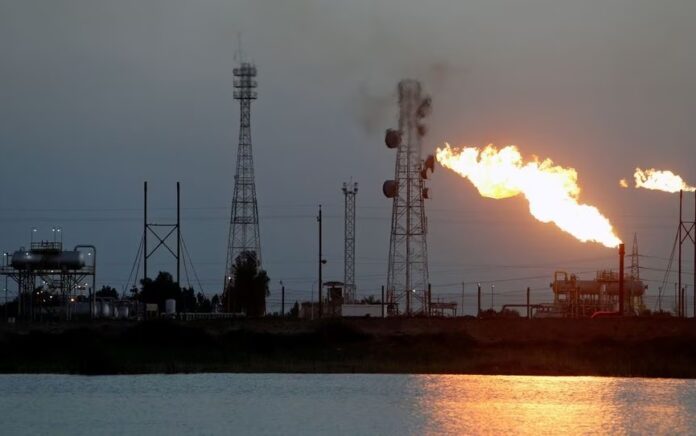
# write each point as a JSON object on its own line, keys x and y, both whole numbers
{"x": 349, "y": 192}
{"x": 686, "y": 231}
{"x": 244, "y": 218}
{"x": 635, "y": 262}
{"x": 407, "y": 278}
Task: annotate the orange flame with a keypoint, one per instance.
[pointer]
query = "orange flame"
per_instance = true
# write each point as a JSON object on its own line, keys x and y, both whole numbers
{"x": 661, "y": 181}
{"x": 551, "y": 190}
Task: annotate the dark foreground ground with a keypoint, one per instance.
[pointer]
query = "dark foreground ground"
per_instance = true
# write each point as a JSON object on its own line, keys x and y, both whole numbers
{"x": 617, "y": 347}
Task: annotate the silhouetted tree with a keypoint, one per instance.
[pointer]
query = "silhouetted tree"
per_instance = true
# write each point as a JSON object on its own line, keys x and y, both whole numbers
{"x": 295, "y": 311}
{"x": 370, "y": 300}
{"x": 508, "y": 313}
{"x": 188, "y": 301}
{"x": 162, "y": 288}
{"x": 203, "y": 304}
{"x": 107, "y": 292}
{"x": 248, "y": 291}
{"x": 9, "y": 309}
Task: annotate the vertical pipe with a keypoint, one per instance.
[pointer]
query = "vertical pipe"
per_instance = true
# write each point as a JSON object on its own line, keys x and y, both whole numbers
{"x": 659, "y": 299}
{"x": 382, "y": 301}
{"x": 529, "y": 316}
{"x": 20, "y": 297}
{"x": 178, "y": 234}
{"x": 478, "y": 311}
{"x": 680, "y": 305}
{"x": 430, "y": 300}
{"x": 145, "y": 231}
{"x": 320, "y": 286}
{"x": 94, "y": 281}
{"x": 622, "y": 252}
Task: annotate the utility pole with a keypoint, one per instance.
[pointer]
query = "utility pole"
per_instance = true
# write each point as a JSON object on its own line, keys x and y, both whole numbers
{"x": 178, "y": 233}
{"x": 478, "y": 312}
{"x": 529, "y": 316}
{"x": 462, "y": 310}
{"x": 430, "y": 300}
{"x": 382, "y": 301}
{"x": 622, "y": 253}
{"x": 680, "y": 305}
{"x": 659, "y": 300}
{"x": 145, "y": 256}
{"x": 282, "y": 299}
{"x": 321, "y": 263}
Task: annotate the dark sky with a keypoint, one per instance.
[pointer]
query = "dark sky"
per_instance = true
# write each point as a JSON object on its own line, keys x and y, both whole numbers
{"x": 98, "y": 96}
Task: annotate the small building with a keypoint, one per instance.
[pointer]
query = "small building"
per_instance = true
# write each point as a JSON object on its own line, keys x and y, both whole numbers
{"x": 443, "y": 308}
{"x": 309, "y": 310}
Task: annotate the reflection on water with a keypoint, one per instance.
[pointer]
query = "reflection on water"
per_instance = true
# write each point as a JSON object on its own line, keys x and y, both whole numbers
{"x": 344, "y": 404}
{"x": 576, "y": 405}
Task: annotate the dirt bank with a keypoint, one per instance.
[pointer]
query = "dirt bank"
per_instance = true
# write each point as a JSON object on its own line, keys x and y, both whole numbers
{"x": 620, "y": 347}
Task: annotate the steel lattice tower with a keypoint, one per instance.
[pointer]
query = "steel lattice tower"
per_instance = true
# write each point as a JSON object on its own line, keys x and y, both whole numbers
{"x": 244, "y": 219}
{"x": 407, "y": 279}
{"x": 635, "y": 259}
{"x": 349, "y": 192}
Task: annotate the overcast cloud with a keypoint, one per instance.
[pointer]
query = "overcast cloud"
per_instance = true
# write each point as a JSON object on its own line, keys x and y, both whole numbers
{"x": 98, "y": 96}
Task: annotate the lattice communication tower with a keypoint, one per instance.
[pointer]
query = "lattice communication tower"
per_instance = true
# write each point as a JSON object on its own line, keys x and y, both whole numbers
{"x": 244, "y": 234}
{"x": 407, "y": 278}
{"x": 349, "y": 191}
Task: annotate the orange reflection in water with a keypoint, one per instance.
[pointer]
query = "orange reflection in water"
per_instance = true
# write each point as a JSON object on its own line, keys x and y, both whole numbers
{"x": 461, "y": 404}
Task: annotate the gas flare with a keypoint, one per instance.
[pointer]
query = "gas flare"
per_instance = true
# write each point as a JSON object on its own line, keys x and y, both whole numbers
{"x": 551, "y": 190}
{"x": 661, "y": 181}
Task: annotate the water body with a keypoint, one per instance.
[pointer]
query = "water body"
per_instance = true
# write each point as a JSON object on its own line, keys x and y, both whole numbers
{"x": 343, "y": 404}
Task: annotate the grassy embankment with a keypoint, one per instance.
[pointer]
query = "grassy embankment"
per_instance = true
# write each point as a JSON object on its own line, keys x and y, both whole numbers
{"x": 630, "y": 347}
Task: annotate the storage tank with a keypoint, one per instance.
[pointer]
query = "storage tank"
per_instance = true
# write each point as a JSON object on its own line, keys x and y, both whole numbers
{"x": 170, "y": 306}
{"x": 105, "y": 309}
{"x": 35, "y": 259}
{"x": 123, "y": 312}
{"x": 26, "y": 260}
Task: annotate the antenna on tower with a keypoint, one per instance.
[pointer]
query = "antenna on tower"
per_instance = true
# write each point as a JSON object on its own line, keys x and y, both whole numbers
{"x": 239, "y": 53}
{"x": 350, "y": 190}
{"x": 407, "y": 278}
